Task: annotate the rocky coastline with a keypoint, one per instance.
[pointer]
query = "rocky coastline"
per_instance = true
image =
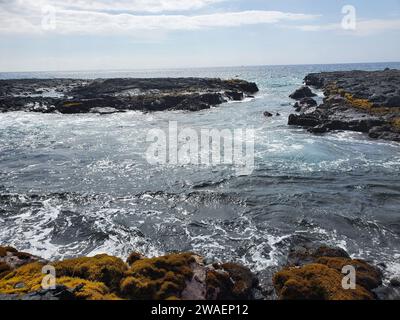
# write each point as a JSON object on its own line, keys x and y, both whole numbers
{"x": 311, "y": 272}
{"x": 104, "y": 96}
{"x": 360, "y": 101}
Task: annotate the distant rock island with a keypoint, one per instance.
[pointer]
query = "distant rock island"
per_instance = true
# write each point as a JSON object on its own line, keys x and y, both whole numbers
{"x": 70, "y": 96}
{"x": 362, "y": 101}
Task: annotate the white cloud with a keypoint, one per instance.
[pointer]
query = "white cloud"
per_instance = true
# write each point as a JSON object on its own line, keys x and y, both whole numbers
{"x": 88, "y": 17}
{"x": 152, "y": 6}
{"x": 363, "y": 27}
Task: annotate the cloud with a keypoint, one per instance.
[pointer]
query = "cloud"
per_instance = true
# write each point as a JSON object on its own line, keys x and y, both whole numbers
{"x": 363, "y": 27}
{"x": 89, "y": 17}
{"x": 152, "y": 6}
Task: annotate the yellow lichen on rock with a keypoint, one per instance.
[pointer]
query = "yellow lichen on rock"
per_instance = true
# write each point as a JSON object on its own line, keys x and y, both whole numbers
{"x": 90, "y": 290}
{"x": 315, "y": 282}
{"x": 158, "y": 278}
{"x": 25, "y": 279}
{"x": 367, "y": 276}
{"x": 99, "y": 275}
{"x": 363, "y": 104}
{"x": 101, "y": 268}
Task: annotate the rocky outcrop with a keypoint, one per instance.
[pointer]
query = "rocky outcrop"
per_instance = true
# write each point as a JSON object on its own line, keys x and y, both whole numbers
{"x": 361, "y": 101}
{"x": 11, "y": 259}
{"x": 315, "y": 272}
{"x": 303, "y": 92}
{"x": 105, "y": 96}
{"x": 182, "y": 276}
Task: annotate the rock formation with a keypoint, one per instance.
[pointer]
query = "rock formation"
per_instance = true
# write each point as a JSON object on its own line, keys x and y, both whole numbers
{"x": 361, "y": 101}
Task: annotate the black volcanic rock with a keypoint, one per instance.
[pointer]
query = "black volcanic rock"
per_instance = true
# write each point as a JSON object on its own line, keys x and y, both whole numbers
{"x": 303, "y": 92}
{"x": 361, "y": 101}
{"x": 70, "y": 96}
{"x": 305, "y": 104}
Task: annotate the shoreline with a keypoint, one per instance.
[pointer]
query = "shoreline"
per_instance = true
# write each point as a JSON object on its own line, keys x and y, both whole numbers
{"x": 312, "y": 271}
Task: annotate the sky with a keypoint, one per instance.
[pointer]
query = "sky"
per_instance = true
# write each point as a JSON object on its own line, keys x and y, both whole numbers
{"x": 60, "y": 35}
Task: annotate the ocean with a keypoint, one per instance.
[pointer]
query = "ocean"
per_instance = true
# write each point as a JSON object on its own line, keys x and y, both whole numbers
{"x": 80, "y": 184}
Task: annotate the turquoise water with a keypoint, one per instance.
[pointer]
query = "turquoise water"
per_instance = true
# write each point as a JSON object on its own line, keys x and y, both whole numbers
{"x": 80, "y": 184}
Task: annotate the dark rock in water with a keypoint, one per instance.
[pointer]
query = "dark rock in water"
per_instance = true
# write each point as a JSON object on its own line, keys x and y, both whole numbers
{"x": 268, "y": 114}
{"x": 105, "y": 96}
{"x": 305, "y": 104}
{"x": 387, "y": 293}
{"x": 385, "y": 132}
{"x": 361, "y": 101}
{"x": 319, "y": 129}
{"x": 395, "y": 282}
{"x": 303, "y": 92}
{"x": 314, "y": 80}
{"x": 235, "y": 95}
{"x": 307, "y": 252}
{"x": 308, "y": 102}
{"x": 304, "y": 120}
{"x": 315, "y": 273}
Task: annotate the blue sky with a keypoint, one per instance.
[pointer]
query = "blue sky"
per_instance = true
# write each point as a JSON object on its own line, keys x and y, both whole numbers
{"x": 134, "y": 34}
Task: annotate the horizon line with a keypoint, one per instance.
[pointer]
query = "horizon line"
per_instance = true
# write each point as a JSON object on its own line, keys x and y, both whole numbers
{"x": 196, "y": 68}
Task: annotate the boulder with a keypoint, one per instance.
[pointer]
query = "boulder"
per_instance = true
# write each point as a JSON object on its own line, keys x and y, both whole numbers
{"x": 303, "y": 120}
{"x": 303, "y": 92}
{"x": 315, "y": 272}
